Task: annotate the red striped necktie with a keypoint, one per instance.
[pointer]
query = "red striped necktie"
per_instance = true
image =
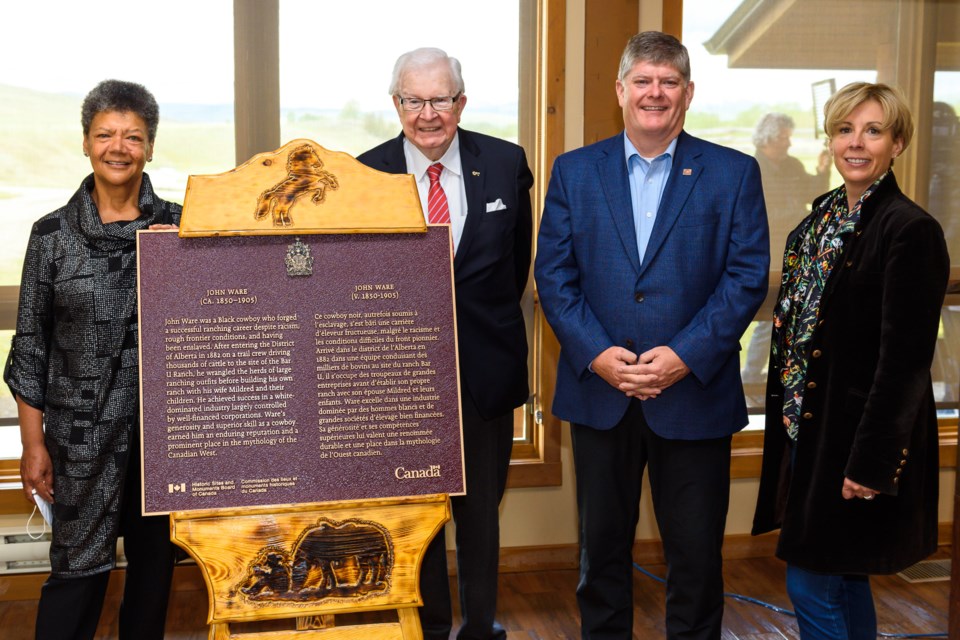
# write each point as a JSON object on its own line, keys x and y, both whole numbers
{"x": 438, "y": 211}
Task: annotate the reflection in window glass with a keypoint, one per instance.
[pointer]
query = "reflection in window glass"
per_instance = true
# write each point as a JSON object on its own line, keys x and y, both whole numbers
{"x": 762, "y": 74}
{"x": 774, "y": 114}
{"x": 945, "y": 157}
{"x": 181, "y": 51}
{"x": 333, "y": 89}
{"x": 944, "y": 196}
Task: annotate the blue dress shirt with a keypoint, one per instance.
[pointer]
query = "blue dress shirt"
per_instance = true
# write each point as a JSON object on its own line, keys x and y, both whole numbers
{"x": 648, "y": 177}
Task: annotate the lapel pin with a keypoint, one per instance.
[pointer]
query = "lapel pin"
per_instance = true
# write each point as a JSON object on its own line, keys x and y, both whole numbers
{"x": 476, "y": 173}
{"x": 688, "y": 172}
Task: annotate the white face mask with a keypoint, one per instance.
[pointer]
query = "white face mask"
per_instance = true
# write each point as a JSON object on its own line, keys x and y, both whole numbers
{"x": 46, "y": 511}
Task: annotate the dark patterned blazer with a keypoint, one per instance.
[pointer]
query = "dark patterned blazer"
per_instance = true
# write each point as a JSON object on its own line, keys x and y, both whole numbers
{"x": 74, "y": 357}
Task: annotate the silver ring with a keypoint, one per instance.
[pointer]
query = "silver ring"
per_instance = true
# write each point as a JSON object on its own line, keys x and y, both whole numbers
{"x": 33, "y": 491}
{"x": 870, "y": 497}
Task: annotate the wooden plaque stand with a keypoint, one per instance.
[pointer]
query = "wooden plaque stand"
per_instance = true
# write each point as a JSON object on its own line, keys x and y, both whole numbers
{"x": 313, "y": 561}
{"x": 309, "y": 562}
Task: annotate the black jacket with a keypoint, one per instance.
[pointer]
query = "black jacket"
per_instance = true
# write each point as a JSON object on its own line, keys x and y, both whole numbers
{"x": 868, "y": 411}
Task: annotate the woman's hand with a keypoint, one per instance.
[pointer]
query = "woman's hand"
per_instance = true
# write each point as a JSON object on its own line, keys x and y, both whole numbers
{"x": 853, "y": 490}
{"x": 159, "y": 227}
{"x": 36, "y": 468}
{"x": 36, "y": 473}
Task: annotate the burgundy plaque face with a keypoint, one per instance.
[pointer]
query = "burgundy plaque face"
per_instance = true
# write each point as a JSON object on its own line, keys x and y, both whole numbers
{"x": 263, "y": 385}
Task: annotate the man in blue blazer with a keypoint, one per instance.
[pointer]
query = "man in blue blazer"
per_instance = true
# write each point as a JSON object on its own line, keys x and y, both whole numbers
{"x": 652, "y": 259}
{"x": 486, "y": 183}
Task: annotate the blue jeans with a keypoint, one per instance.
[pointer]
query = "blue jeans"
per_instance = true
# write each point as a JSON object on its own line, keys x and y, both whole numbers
{"x": 832, "y": 607}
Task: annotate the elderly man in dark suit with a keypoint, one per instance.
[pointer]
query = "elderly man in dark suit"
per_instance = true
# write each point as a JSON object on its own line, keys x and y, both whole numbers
{"x": 480, "y": 186}
{"x": 652, "y": 259}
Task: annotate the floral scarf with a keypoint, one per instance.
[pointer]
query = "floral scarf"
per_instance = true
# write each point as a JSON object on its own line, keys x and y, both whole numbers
{"x": 807, "y": 263}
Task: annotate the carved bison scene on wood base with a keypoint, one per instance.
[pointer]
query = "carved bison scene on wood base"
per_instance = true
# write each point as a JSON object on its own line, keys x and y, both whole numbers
{"x": 347, "y": 559}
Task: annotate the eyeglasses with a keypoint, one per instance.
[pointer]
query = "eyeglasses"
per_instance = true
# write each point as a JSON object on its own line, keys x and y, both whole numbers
{"x": 441, "y": 103}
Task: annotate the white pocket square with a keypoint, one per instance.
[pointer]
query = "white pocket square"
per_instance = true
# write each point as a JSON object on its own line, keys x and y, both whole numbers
{"x": 496, "y": 206}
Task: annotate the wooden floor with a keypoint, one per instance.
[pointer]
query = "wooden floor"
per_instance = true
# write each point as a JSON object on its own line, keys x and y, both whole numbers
{"x": 540, "y": 605}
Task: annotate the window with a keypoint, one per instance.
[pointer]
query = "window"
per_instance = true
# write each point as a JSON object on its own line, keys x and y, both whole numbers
{"x": 42, "y": 163}
{"x": 751, "y": 58}
{"x": 346, "y": 107}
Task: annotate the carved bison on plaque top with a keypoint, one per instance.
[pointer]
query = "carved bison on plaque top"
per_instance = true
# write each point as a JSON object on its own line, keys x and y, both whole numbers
{"x": 347, "y": 559}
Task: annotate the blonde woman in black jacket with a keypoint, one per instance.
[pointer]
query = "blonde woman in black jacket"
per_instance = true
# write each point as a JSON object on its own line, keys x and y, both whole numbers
{"x": 850, "y": 469}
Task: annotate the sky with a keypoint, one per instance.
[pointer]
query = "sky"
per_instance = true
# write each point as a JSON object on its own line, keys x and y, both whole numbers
{"x": 182, "y": 50}
{"x": 68, "y": 47}
{"x": 331, "y": 51}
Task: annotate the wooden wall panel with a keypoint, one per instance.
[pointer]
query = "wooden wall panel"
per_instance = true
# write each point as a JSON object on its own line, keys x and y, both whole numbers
{"x": 609, "y": 24}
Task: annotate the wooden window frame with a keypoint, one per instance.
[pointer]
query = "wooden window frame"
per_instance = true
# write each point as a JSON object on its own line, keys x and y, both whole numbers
{"x": 536, "y": 461}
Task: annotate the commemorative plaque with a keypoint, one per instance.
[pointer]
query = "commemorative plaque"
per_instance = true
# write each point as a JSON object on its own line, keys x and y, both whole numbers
{"x": 279, "y": 369}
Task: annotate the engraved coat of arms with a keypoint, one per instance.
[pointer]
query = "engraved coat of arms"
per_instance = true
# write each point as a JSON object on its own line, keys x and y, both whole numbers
{"x": 298, "y": 260}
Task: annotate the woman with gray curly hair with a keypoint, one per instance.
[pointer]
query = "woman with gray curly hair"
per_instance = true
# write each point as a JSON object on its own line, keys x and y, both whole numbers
{"x": 73, "y": 371}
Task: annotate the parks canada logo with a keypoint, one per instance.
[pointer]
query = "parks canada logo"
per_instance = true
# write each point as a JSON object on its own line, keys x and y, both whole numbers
{"x": 402, "y": 473}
